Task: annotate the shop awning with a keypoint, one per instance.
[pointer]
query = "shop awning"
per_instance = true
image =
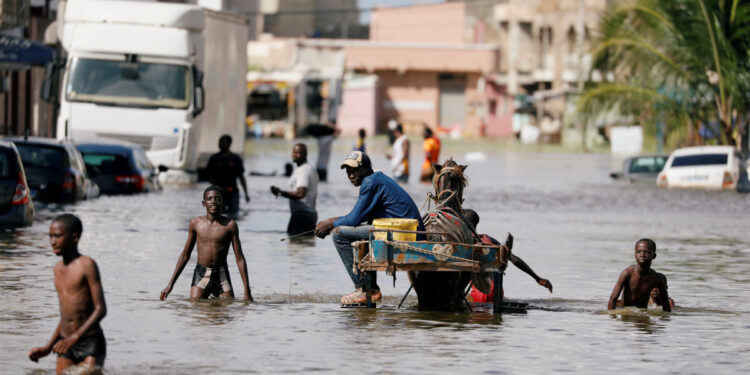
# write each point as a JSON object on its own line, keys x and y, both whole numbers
{"x": 19, "y": 53}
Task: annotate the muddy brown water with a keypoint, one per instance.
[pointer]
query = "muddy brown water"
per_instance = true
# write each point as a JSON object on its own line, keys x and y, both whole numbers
{"x": 571, "y": 223}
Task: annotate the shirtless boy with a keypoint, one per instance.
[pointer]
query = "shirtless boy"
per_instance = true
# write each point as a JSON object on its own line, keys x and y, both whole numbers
{"x": 213, "y": 233}
{"x": 78, "y": 338}
{"x": 637, "y": 281}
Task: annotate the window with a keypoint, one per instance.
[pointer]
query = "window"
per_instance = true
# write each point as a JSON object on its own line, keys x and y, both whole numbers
{"x": 702, "y": 159}
{"x": 647, "y": 165}
{"x": 107, "y": 163}
{"x": 5, "y": 171}
{"x": 35, "y": 156}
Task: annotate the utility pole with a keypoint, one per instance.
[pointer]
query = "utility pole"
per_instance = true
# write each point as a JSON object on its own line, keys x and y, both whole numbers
{"x": 579, "y": 50}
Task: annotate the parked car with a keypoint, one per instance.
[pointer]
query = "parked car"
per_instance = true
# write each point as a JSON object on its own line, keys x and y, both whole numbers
{"x": 643, "y": 168}
{"x": 708, "y": 167}
{"x": 122, "y": 167}
{"x": 16, "y": 206}
{"x": 55, "y": 170}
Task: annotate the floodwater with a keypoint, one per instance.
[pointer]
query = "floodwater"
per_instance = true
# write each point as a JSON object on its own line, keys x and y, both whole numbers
{"x": 571, "y": 223}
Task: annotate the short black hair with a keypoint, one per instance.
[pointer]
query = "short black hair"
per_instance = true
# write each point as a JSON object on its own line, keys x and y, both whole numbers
{"x": 225, "y": 137}
{"x": 649, "y": 241}
{"x": 427, "y": 130}
{"x": 362, "y": 133}
{"x": 71, "y": 223}
{"x": 302, "y": 147}
{"x": 399, "y": 128}
{"x": 472, "y": 217}
{"x": 212, "y": 188}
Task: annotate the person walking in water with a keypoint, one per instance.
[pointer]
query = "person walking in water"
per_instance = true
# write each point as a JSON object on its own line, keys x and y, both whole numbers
{"x": 379, "y": 197}
{"x": 213, "y": 233}
{"x": 360, "y": 145}
{"x": 431, "y": 147}
{"x": 400, "y": 155}
{"x": 223, "y": 170}
{"x": 637, "y": 281}
{"x": 304, "y": 191}
{"x": 78, "y": 338}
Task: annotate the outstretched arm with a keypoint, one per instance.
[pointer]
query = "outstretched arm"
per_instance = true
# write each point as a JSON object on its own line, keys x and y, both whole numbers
{"x": 518, "y": 262}
{"x": 91, "y": 271}
{"x": 244, "y": 186}
{"x": 181, "y": 261}
{"x": 240, "y": 258}
{"x": 617, "y": 289}
{"x": 298, "y": 193}
{"x": 39, "y": 352}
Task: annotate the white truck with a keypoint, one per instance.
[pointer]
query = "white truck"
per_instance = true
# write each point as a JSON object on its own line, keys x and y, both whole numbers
{"x": 169, "y": 77}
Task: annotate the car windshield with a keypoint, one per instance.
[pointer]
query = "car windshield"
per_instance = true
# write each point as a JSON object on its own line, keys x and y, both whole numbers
{"x": 35, "y": 156}
{"x": 107, "y": 163}
{"x": 700, "y": 159}
{"x": 647, "y": 164}
{"x": 123, "y": 83}
{"x": 5, "y": 171}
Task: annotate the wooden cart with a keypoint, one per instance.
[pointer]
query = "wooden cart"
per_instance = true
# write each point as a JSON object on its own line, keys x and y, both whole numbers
{"x": 390, "y": 255}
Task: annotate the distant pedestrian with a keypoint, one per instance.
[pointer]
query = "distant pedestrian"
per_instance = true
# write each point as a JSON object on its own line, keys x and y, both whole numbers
{"x": 304, "y": 191}
{"x": 431, "y": 154}
{"x": 213, "y": 233}
{"x": 325, "y": 142}
{"x": 392, "y": 124}
{"x": 78, "y": 338}
{"x": 399, "y": 156}
{"x": 223, "y": 169}
{"x": 360, "y": 145}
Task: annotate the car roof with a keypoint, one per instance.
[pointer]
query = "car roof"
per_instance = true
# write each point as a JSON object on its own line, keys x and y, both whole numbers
{"x": 37, "y": 140}
{"x": 697, "y": 150}
{"x": 107, "y": 147}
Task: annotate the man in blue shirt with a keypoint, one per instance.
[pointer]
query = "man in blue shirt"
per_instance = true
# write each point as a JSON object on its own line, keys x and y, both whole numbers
{"x": 379, "y": 197}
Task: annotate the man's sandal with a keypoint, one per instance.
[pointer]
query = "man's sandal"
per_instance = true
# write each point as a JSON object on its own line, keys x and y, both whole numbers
{"x": 359, "y": 298}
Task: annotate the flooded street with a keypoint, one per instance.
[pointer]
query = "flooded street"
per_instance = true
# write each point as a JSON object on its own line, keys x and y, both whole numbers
{"x": 572, "y": 225}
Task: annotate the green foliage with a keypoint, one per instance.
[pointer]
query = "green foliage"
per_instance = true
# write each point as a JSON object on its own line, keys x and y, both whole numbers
{"x": 681, "y": 62}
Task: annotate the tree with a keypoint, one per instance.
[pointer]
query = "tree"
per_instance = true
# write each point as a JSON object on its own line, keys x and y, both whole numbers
{"x": 675, "y": 61}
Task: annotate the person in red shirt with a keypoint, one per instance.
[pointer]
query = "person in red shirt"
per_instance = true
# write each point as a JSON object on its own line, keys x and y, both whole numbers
{"x": 431, "y": 147}
{"x": 477, "y": 296}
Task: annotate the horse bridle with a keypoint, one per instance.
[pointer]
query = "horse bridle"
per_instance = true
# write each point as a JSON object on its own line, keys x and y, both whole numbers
{"x": 436, "y": 179}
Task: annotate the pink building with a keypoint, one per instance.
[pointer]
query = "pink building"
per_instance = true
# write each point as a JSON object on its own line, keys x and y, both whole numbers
{"x": 426, "y": 73}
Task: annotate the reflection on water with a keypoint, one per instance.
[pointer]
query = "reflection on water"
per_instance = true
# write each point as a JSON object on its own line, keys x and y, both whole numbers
{"x": 571, "y": 224}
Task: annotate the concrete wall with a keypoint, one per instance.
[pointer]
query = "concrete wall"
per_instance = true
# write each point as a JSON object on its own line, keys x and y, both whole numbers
{"x": 438, "y": 23}
{"x": 499, "y": 111}
{"x": 358, "y": 110}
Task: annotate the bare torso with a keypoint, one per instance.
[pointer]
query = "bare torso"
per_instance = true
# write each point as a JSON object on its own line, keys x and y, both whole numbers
{"x": 76, "y": 302}
{"x": 213, "y": 239}
{"x": 637, "y": 287}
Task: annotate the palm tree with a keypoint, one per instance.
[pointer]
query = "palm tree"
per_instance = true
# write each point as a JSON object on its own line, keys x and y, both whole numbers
{"x": 679, "y": 61}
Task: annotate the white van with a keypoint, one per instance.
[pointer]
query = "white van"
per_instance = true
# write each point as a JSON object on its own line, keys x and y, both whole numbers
{"x": 707, "y": 167}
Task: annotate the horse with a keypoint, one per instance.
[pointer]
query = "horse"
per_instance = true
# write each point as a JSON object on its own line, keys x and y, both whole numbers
{"x": 445, "y": 291}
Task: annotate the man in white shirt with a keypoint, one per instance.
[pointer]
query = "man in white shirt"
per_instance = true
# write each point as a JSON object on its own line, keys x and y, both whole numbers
{"x": 400, "y": 156}
{"x": 304, "y": 191}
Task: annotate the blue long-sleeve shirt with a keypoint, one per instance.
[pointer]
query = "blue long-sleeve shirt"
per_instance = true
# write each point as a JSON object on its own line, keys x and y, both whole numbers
{"x": 381, "y": 197}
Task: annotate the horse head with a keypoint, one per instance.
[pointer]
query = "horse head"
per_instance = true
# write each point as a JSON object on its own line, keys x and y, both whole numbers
{"x": 449, "y": 183}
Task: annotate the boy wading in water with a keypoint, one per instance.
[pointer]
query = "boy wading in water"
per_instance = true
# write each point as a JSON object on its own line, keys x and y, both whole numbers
{"x": 213, "y": 233}
{"x": 78, "y": 338}
{"x": 636, "y": 282}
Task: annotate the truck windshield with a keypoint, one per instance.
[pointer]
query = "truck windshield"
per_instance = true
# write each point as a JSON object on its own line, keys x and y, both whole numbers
{"x": 129, "y": 83}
